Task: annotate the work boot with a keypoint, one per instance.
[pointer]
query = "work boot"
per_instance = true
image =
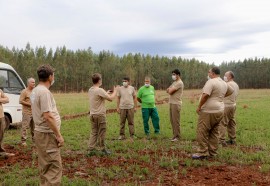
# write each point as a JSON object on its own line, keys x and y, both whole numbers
{"x": 106, "y": 152}
{"x": 223, "y": 143}
{"x": 174, "y": 140}
{"x": 121, "y": 137}
{"x": 92, "y": 152}
{"x": 198, "y": 157}
{"x": 24, "y": 144}
{"x": 5, "y": 155}
{"x": 231, "y": 142}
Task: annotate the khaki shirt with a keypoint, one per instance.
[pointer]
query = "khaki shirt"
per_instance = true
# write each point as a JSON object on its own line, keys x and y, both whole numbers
{"x": 216, "y": 88}
{"x": 126, "y": 95}
{"x": 97, "y": 97}
{"x": 2, "y": 95}
{"x": 42, "y": 101}
{"x": 176, "y": 97}
{"x": 25, "y": 96}
{"x": 231, "y": 99}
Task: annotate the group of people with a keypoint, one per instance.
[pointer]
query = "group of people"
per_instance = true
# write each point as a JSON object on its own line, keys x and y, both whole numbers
{"x": 127, "y": 106}
{"x": 216, "y": 112}
{"x": 40, "y": 114}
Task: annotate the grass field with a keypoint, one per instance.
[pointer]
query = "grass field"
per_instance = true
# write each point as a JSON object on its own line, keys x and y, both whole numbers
{"x": 156, "y": 161}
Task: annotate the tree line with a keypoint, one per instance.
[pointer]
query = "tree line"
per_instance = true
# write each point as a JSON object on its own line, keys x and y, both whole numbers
{"x": 74, "y": 68}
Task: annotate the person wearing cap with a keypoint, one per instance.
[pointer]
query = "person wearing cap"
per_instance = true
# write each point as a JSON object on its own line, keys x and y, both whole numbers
{"x": 175, "y": 92}
{"x": 27, "y": 118}
{"x": 126, "y": 106}
{"x": 47, "y": 135}
{"x": 210, "y": 111}
{"x": 3, "y": 100}
{"x": 228, "y": 122}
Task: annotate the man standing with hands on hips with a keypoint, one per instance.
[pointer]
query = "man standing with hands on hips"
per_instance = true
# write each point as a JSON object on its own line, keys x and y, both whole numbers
{"x": 48, "y": 138}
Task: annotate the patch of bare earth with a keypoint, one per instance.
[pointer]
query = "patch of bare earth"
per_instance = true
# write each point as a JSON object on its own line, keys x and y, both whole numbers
{"x": 76, "y": 164}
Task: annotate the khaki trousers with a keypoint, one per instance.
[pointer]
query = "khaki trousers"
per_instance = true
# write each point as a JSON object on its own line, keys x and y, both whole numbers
{"x": 49, "y": 159}
{"x": 175, "y": 119}
{"x": 207, "y": 133}
{"x": 98, "y": 126}
{"x": 27, "y": 121}
{"x": 228, "y": 124}
{"x": 127, "y": 114}
{"x": 2, "y": 131}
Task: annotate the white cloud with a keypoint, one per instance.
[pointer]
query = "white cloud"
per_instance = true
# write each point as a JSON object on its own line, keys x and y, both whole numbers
{"x": 209, "y": 30}
{"x": 207, "y": 45}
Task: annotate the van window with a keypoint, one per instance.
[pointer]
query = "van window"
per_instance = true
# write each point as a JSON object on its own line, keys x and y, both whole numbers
{"x": 9, "y": 82}
{"x": 3, "y": 79}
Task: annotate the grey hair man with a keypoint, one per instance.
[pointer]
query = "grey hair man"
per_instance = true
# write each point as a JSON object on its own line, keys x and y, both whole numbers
{"x": 210, "y": 111}
{"x": 27, "y": 118}
{"x": 228, "y": 122}
{"x": 146, "y": 96}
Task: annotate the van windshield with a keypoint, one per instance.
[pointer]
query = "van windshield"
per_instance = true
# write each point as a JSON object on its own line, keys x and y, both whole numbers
{"x": 9, "y": 82}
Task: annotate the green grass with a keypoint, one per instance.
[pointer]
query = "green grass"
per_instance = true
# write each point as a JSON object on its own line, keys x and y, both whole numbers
{"x": 139, "y": 159}
{"x": 72, "y": 103}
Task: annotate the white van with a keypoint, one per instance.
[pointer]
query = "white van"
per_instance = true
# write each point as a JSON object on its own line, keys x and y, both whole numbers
{"x": 12, "y": 85}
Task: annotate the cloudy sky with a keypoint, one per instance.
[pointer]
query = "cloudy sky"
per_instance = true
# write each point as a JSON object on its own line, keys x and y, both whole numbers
{"x": 208, "y": 30}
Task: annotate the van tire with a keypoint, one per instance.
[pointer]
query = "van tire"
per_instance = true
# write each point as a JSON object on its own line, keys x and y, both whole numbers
{"x": 7, "y": 121}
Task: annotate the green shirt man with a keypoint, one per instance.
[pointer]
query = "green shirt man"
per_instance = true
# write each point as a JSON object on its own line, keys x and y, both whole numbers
{"x": 146, "y": 96}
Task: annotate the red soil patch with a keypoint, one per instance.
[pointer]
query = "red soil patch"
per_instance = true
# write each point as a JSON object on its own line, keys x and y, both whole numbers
{"x": 23, "y": 156}
{"x": 77, "y": 164}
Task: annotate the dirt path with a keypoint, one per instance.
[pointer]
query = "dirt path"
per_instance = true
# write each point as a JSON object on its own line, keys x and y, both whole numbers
{"x": 108, "y": 111}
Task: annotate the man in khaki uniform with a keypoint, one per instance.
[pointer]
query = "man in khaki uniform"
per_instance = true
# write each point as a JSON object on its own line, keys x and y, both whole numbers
{"x": 228, "y": 122}
{"x": 3, "y": 99}
{"x": 48, "y": 138}
{"x": 126, "y": 106}
{"x": 175, "y": 92}
{"x": 210, "y": 110}
{"x": 27, "y": 119}
{"x": 97, "y": 97}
